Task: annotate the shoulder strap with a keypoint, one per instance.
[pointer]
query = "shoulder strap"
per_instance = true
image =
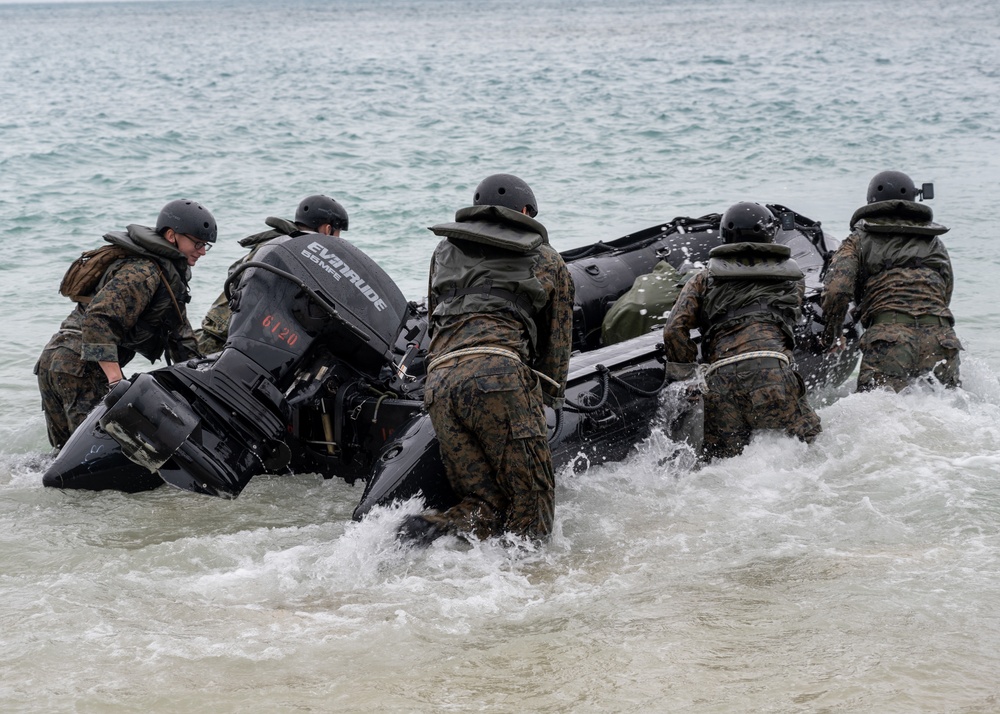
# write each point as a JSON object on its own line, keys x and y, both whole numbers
{"x": 173, "y": 298}
{"x": 520, "y": 301}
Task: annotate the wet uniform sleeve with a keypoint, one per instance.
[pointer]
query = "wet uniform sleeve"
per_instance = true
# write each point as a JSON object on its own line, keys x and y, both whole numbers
{"x": 838, "y": 289}
{"x": 116, "y": 308}
{"x": 555, "y": 341}
{"x": 677, "y": 341}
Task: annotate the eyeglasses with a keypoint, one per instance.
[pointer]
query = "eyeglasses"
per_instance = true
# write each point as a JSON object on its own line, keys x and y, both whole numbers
{"x": 198, "y": 244}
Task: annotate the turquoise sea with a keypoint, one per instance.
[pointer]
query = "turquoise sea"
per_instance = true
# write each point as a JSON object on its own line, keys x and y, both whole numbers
{"x": 858, "y": 574}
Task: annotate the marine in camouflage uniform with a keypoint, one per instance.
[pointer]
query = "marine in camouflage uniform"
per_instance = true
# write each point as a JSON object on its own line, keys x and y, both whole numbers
{"x": 319, "y": 214}
{"x": 897, "y": 271}
{"x": 138, "y": 306}
{"x": 500, "y": 301}
{"x": 746, "y": 302}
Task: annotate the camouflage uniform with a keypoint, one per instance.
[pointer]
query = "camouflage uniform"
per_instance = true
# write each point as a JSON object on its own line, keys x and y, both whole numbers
{"x": 487, "y": 410}
{"x": 752, "y": 394}
{"x": 898, "y": 273}
{"x": 214, "y": 329}
{"x": 487, "y": 413}
{"x": 131, "y": 312}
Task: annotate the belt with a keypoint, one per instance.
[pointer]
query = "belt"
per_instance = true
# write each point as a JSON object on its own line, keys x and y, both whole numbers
{"x": 472, "y": 352}
{"x": 483, "y": 351}
{"x": 901, "y": 318}
{"x": 748, "y": 361}
{"x": 749, "y": 365}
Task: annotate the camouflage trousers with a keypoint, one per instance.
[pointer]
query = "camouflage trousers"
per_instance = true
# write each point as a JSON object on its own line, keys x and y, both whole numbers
{"x": 895, "y": 355}
{"x": 488, "y": 416}
{"x": 741, "y": 400}
{"x": 70, "y": 389}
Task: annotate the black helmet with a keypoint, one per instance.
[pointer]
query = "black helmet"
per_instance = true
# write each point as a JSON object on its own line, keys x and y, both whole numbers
{"x": 318, "y": 210}
{"x": 889, "y": 185}
{"x": 747, "y": 222}
{"x": 507, "y": 191}
{"x": 188, "y": 217}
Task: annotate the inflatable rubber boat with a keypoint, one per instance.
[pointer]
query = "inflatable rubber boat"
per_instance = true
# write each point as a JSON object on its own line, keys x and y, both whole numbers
{"x": 324, "y": 365}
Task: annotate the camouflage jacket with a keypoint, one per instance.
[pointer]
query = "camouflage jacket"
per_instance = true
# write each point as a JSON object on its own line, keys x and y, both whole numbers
{"x": 119, "y": 322}
{"x": 892, "y": 261}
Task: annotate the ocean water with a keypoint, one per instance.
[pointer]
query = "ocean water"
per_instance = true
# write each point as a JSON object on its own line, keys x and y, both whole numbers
{"x": 858, "y": 574}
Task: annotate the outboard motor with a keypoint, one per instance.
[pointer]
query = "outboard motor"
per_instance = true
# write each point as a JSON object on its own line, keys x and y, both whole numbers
{"x": 211, "y": 425}
{"x": 93, "y": 461}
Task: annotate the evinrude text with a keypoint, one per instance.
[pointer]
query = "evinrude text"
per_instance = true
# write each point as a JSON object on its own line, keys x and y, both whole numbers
{"x": 336, "y": 267}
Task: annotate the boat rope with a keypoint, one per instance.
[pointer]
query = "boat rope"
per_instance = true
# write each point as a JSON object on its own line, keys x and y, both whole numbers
{"x": 606, "y": 379}
{"x": 605, "y": 393}
{"x": 642, "y": 392}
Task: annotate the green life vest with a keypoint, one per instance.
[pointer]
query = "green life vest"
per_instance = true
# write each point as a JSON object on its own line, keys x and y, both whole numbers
{"x": 758, "y": 280}
{"x": 753, "y": 261}
{"x": 898, "y": 234}
{"x": 486, "y": 265}
{"x": 279, "y": 227}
